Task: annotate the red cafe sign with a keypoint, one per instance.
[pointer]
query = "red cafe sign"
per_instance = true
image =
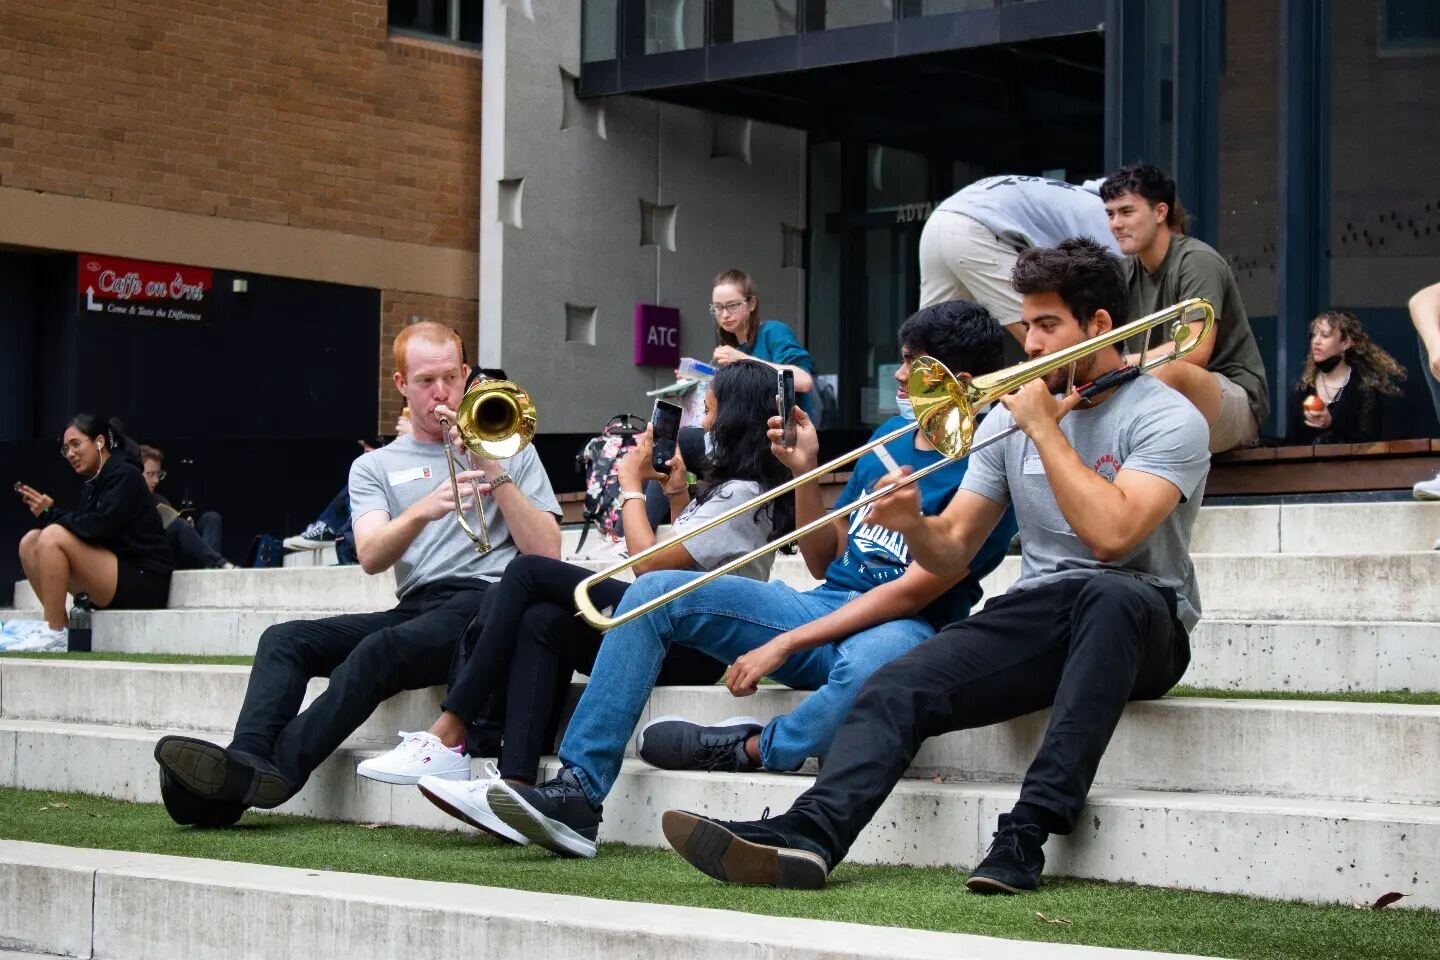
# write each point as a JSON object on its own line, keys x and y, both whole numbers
{"x": 139, "y": 288}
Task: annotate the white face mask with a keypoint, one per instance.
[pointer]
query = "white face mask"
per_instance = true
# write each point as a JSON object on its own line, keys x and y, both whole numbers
{"x": 709, "y": 443}
{"x": 907, "y": 409}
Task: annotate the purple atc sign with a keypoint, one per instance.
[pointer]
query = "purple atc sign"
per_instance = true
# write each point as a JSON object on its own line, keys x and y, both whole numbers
{"x": 657, "y": 336}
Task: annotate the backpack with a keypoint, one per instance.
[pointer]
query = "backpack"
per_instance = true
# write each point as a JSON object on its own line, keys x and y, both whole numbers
{"x": 266, "y": 550}
{"x": 599, "y": 461}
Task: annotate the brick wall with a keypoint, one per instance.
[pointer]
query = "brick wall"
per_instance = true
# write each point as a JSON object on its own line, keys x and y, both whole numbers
{"x": 400, "y": 309}
{"x": 300, "y": 115}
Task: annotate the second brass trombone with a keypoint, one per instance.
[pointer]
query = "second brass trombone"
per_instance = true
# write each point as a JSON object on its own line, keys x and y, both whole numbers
{"x": 945, "y": 407}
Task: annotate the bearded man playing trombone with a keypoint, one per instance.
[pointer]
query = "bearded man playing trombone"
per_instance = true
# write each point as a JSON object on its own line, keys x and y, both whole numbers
{"x": 1105, "y": 493}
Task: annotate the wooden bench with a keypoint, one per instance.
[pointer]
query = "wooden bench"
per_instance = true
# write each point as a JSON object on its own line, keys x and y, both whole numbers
{"x": 1324, "y": 468}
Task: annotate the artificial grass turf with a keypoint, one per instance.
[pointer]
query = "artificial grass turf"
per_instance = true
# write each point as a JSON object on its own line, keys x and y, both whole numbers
{"x": 1430, "y": 699}
{"x": 180, "y": 658}
{"x": 1115, "y": 915}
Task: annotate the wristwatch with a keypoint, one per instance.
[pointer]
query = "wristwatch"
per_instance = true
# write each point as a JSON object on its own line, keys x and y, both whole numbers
{"x": 628, "y": 495}
{"x": 499, "y": 481}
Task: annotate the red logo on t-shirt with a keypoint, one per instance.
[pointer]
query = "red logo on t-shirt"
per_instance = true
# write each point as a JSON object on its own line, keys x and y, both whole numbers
{"x": 425, "y": 473}
{"x": 1108, "y": 466}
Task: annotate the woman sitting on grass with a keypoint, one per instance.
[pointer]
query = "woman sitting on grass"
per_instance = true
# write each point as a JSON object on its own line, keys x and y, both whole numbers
{"x": 526, "y": 641}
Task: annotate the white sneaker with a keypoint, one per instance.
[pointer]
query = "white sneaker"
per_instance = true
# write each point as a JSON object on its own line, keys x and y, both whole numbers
{"x": 1427, "y": 489}
{"x": 32, "y": 636}
{"x": 419, "y": 755}
{"x": 466, "y": 801}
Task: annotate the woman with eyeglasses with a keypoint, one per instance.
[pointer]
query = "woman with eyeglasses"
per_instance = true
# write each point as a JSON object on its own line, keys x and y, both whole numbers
{"x": 742, "y": 335}
{"x": 112, "y": 546}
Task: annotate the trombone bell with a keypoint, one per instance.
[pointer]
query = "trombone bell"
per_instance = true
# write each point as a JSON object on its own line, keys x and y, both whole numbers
{"x": 495, "y": 420}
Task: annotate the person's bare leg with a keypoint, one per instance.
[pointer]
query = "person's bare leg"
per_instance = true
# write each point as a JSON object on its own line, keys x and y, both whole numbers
{"x": 450, "y": 729}
{"x": 68, "y": 563}
{"x": 29, "y": 560}
{"x": 1198, "y": 385}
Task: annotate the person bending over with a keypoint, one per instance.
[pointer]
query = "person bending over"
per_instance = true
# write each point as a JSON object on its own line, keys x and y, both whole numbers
{"x": 873, "y": 606}
{"x": 1105, "y": 495}
{"x": 527, "y": 642}
{"x": 111, "y": 547}
{"x": 403, "y": 517}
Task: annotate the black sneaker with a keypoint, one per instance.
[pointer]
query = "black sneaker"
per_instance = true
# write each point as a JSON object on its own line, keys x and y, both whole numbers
{"x": 212, "y": 772}
{"x": 1014, "y": 862}
{"x": 674, "y": 743}
{"x": 314, "y": 537}
{"x": 189, "y": 810}
{"x": 555, "y": 814}
{"x": 762, "y": 852}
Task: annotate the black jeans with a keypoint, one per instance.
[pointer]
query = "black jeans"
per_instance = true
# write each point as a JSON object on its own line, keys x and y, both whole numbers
{"x": 189, "y": 548}
{"x": 369, "y": 657}
{"x": 527, "y": 642}
{"x": 1084, "y": 646}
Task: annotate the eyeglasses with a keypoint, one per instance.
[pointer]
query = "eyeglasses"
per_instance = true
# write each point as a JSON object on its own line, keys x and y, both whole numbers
{"x": 157, "y": 476}
{"x": 718, "y": 308}
{"x": 73, "y": 446}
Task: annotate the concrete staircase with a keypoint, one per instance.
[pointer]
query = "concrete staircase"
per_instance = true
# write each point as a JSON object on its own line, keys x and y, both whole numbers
{"x": 1294, "y": 799}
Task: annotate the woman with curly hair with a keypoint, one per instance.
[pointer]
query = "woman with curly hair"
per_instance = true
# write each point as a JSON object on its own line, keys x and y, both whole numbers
{"x": 1338, "y": 397}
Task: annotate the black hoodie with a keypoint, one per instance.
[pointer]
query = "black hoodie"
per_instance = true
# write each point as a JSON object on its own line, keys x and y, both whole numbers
{"x": 118, "y": 513}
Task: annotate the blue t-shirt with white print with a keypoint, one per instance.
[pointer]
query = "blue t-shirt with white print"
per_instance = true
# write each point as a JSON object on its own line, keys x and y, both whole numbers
{"x": 874, "y": 555}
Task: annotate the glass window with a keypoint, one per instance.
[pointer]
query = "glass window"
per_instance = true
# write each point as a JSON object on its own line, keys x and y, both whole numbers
{"x": 598, "y": 29}
{"x": 1384, "y": 235}
{"x": 740, "y": 20}
{"x": 458, "y": 21}
{"x": 672, "y": 25}
{"x": 853, "y": 13}
{"x": 824, "y": 265}
{"x": 1407, "y": 25}
{"x": 929, "y": 8}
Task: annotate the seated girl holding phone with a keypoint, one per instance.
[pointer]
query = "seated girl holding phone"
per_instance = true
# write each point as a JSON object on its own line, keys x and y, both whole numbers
{"x": 112, "y": 547}
{"x": 526, "y": 640}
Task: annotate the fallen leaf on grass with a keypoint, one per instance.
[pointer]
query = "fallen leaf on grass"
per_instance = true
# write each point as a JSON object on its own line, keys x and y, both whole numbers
{"x": 1385, "y": 900}
{"x": 377, "y": 826}
{"x": 55, "y": 806}
{"x": 1052, "y": 919}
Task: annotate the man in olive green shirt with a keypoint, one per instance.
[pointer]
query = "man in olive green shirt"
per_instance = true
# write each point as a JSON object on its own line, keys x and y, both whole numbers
{"x": 1224, "y": 376}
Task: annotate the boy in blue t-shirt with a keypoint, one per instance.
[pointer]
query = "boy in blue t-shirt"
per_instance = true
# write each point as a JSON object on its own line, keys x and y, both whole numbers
{"x": 874, "y": 606}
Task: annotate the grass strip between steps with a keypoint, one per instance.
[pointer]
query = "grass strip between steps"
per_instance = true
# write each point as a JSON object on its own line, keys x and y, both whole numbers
{"x": 1421, "y": 698}
{"x": 1100, "y": 914}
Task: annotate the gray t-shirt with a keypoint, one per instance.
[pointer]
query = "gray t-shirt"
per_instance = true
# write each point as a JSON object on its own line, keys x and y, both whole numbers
{"x": 1144, "y": 426}
{"x": 394, "y": 477}
{"x": 1033, "y": 211}
{"x": 729, "y": 540}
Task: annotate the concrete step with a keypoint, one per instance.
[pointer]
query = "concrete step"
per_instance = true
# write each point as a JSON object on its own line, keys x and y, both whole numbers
{"x": 1380, "y": 752}
{"x": 127, "y": 906}
{"x": 1311, "y": 850}
{"x": 1315, "y": 655}
{"x": 1396, "y": 586}
{"x": 1317, "y": 528}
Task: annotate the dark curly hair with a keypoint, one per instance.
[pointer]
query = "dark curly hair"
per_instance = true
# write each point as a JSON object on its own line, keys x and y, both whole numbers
{"x": 1148, "y": 181}
{"x": 960, "y": 334}
{"x": 1378, "y": 370}
{"x": 739, "y": 447}
{"x": 1085, "y": 276}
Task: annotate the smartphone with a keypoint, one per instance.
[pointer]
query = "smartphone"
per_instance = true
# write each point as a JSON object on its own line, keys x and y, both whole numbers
{"x": 665, "y": 418}
{"x": 785, "y": 404}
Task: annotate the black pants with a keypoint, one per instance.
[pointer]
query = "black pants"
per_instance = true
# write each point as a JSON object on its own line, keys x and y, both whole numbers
{"x": 527, "y": 642}
{"x": 189, "y": 548}
{"x": 1084, "y": 646}
{"x": 368, "y": 657}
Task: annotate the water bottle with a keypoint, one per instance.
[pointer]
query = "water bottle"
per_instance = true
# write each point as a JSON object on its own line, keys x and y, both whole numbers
{"x": 78, "y": 636}
{"x": 692, "y": 369}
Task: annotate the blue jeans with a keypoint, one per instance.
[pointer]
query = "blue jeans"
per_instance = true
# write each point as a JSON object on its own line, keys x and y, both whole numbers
{"x": 726, "y": 619}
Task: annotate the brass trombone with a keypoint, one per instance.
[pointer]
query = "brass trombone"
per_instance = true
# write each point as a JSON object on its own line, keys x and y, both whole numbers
{"x": 495, "y": 420}
{"x": 945, "y": 407}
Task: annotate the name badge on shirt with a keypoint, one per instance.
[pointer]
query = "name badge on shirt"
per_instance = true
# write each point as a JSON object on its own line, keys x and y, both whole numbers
{"x": 1033, "y": 465}
{"x": 397, "y": 477}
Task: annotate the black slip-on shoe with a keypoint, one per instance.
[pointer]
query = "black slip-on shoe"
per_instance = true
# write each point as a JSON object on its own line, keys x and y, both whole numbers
{"x": 1014, "y": 862}
{"x": 212, "y": 772}
{"x": 189, "y": 810}
{"x": 759, "y": 852}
